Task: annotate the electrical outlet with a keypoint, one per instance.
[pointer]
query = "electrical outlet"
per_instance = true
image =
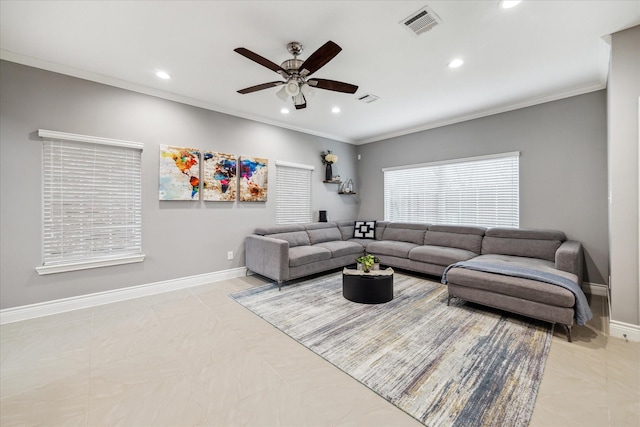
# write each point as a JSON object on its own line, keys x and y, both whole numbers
{"x": 229, "y": 255}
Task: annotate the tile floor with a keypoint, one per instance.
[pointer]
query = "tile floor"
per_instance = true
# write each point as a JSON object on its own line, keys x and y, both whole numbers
{"x": 197, "y": 358}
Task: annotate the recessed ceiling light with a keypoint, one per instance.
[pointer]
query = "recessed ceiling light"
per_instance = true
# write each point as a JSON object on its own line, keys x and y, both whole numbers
{"x": 284, "y": 111}
{"x": 508, "y": 4}
{"x": 456, "y": 63}
{"x": 335, "y": 110}
{"x": 163, "y": 75}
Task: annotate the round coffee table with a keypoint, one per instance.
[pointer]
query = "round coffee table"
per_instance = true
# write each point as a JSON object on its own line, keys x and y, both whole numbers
{"x": 367, "y": 288}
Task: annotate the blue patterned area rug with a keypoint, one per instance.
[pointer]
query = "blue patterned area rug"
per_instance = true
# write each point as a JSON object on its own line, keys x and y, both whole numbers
{"x": 461, "y": 365}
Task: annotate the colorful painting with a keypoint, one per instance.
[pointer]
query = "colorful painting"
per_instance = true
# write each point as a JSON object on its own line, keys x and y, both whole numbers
{"x": 179, "y": 173}
{"x": 254, "y": 174}
{"x": 219, "y": 176}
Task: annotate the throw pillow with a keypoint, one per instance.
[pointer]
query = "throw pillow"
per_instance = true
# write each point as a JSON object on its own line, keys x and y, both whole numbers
{"x": 365, "y": 230}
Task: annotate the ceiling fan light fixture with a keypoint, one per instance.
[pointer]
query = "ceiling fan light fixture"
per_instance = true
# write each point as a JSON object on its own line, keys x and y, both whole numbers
{"x": 295, "y": 73}
{"x": 298, "y": 99}
{"x": 307, "y": 91}
{"x": 282, "y": 93}
{"x": 292, "y": 88}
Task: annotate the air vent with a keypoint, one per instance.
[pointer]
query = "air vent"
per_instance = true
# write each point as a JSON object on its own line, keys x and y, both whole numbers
{"x": 368, "y": 98}
{"x": 421, "y": 21}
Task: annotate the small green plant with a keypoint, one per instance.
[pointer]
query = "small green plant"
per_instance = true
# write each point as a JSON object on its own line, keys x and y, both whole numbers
{"x": 367, "y": 262}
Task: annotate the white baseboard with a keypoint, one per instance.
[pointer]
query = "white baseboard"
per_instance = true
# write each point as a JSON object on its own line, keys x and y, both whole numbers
{"x": 599, "y": 289}
{"x": 15, "y": 314}
{"x": 626, "y": 331}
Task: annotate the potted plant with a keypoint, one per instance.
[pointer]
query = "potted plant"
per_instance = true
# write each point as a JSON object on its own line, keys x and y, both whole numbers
{"x": 368, "y": 262}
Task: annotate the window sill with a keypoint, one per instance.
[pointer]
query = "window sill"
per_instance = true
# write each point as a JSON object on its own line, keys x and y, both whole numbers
{"x": 62, "y": 268}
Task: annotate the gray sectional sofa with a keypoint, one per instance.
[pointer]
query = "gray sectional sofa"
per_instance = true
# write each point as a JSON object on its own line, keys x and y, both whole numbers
{"x": 458, "y": 254}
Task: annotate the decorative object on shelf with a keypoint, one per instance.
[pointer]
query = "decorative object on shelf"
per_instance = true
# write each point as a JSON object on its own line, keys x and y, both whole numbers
{"x": 179, "y": 173}
{"x": 349, "y": 187}
{"x": 219, "y": 176}
{"x": 322, "y": 216}
{"x": 368, "y": 262}
{"x": 328, "y": 159}
{"x": 254, "y": 173}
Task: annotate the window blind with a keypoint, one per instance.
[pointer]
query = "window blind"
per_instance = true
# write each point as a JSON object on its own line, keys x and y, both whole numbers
{"x": 92, "y": 202}
{"x": 293, "y": 188}
{"x": 480, "y": 191}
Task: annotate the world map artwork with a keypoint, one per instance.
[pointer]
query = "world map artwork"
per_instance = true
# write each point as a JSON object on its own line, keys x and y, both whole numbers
{"x": 254, "y": 173}
{"x": 219, "y": 176}
{"x": 179, "y": 173}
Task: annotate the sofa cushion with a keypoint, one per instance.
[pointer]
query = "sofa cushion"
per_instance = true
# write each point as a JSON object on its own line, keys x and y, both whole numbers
{"x": 535, "y": 263}
{"x": 362, "y": 242}
{"x": 265, "y": 231}
{"x": 341, "y": 248}
{"x": 301, "y": 255}
{"x": 346, "y": 228}
{"x": 523, "y": 233}
{"x": 530, "y": 248}
{"x": 364, "y": 230}
{"x": 440, "y": 255}
{"x": 318, "y": 225}
{"x": 458, "y": 229}
{"x": 468, "y": 238}
{"x": 391, "y": 248}
{"x": 405, "y": 232}
{"x": 526, "y": 289}
{"x": 320, "y": 235}
{"x": 295, "y": 238}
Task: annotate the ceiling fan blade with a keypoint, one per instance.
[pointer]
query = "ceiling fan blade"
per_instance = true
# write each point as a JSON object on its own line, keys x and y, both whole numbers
{"x": 261, "y": 60}
{"x": 319, "y": 58}
{"x": 260, "y": 87}
{"x": 332, "y": 85}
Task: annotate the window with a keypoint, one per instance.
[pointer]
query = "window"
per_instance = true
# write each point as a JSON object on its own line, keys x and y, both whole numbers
{"x": 293, "y": 188}
{"x": 473, "y": 191}
{"x": 92, "y": 202}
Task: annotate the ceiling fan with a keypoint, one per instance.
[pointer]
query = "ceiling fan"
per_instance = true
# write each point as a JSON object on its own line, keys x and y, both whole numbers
{"x": 296, "y": 73}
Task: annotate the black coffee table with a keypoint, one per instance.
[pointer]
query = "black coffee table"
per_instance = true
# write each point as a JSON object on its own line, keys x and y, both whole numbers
{"x": 367, "y": 288}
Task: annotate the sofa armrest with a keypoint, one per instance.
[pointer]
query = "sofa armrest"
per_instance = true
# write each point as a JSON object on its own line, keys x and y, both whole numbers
{"x": 267, "y": 256}
{"x": 569, "y": 257}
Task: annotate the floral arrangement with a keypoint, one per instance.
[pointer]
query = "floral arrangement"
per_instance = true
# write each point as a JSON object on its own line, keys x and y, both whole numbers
{"x": 328, "y": 158}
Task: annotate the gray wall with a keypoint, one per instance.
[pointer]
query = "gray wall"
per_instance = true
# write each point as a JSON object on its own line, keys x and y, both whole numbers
{"x": 624, "y": 90}
{"x": 180, "y": 239}
{"x": 563, "y": 166}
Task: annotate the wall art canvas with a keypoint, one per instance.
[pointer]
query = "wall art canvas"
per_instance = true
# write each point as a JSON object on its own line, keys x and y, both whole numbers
{"x": 219, "y": 176}
{"x": 179, "y": 173}
{"x": 254, "y": 174}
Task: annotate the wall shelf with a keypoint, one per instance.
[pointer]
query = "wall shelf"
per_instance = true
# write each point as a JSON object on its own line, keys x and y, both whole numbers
{"x": 332, "y": 182}
{"x": 348, "y": 194}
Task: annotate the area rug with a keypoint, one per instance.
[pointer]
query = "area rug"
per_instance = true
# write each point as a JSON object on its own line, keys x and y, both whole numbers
{"x": 457, "y": 365}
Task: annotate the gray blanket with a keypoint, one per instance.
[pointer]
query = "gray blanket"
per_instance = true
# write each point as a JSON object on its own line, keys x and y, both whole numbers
{"x": 582, "y": 311}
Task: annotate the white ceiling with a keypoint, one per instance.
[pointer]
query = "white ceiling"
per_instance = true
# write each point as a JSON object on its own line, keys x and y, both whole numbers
{"x": 535, "y": 52}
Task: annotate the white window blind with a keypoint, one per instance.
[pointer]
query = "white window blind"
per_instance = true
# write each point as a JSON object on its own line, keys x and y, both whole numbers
{"x": 92, "y": 202}
{"x": 480, "y": 191}
{"x": 293, "y": 188}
